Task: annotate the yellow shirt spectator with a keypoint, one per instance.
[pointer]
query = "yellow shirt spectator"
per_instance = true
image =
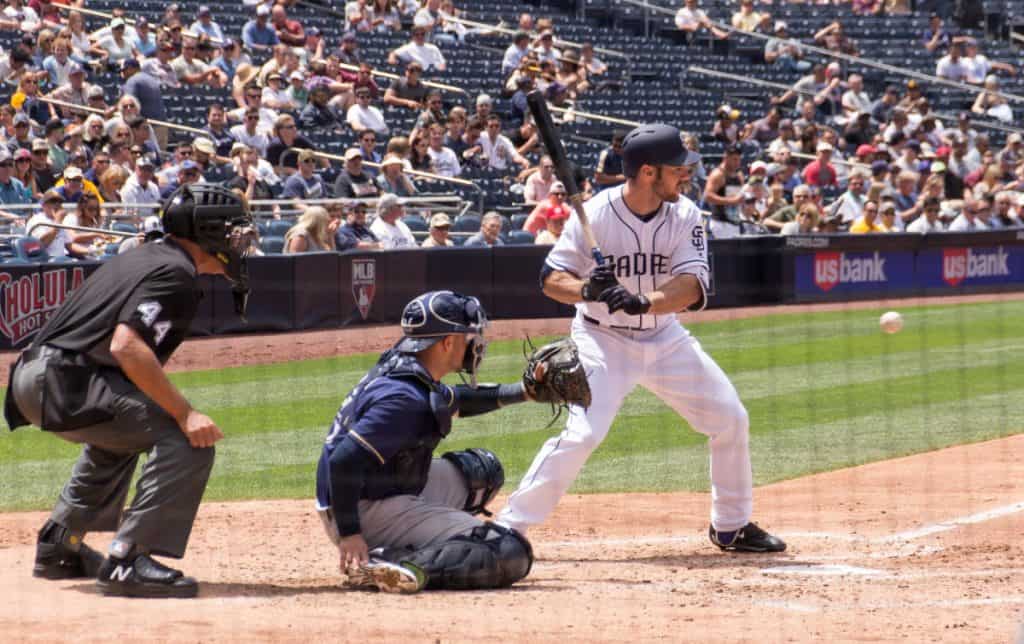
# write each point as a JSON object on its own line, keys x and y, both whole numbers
{"x": 746, "y": 18}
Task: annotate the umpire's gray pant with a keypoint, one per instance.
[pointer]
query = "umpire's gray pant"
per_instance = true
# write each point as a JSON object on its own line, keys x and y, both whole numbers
{"x": 168, "y": 491}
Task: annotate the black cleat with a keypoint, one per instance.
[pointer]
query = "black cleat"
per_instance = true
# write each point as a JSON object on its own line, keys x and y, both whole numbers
{"x": 749, "y": 538}
{"x": 55, "y": 560}
{"x": 143, "y": 576}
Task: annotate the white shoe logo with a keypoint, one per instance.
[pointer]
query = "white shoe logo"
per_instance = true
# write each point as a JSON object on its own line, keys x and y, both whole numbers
{"x": 121, "y": 573}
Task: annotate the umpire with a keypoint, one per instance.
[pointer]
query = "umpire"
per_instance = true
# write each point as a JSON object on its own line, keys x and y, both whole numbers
{"x": 94, "y": 375}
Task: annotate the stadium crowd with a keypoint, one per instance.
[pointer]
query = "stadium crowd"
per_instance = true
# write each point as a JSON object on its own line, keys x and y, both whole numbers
{"x": 825, "y": 156}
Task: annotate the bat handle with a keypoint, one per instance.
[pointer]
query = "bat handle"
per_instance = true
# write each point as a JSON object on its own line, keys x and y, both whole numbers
{"x": 595, "y": 252}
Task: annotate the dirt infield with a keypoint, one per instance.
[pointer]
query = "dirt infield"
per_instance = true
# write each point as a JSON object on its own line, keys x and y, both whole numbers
{"x": 923, "y": 548}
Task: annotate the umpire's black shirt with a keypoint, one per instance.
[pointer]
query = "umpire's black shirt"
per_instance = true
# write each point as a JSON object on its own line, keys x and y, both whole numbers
{"x": 152, "y": 289}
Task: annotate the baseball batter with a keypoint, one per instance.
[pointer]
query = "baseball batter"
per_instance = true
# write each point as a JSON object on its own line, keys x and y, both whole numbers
{"x": 628, "y": 335}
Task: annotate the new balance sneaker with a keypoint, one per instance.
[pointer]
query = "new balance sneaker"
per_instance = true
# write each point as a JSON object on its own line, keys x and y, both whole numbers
{"x": 749, "y": 538}
{"x": 387, "y": 577}
{"x": 143, "y": 576}
{"x": 56, "y": 559}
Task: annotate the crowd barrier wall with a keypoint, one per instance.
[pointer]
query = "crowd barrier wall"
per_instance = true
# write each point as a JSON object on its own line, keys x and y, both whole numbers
{"x": 331, "y": 290}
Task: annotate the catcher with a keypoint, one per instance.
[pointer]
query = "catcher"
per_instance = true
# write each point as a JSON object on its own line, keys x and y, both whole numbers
{"x": 403, "y": 520}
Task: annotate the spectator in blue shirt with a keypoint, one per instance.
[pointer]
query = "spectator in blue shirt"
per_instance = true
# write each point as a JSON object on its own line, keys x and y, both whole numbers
{"x": 145, "y": 89}
{"x": 608, "y": 172}
{"x": 206, "y": 25}
{"x": 12, "y": 191}
{"x": 304, "y": 184}
{"x": 144, "y": 40}
{"x": 257, "y": 34}
{"x": 936, "y": 38}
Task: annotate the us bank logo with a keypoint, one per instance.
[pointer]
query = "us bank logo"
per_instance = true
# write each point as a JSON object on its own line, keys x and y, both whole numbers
{"x": 959, "y": 264}
{"x": 834, "y": 268}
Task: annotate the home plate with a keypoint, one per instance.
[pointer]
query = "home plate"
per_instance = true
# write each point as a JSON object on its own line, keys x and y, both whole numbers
{"x": 820, "y": 570}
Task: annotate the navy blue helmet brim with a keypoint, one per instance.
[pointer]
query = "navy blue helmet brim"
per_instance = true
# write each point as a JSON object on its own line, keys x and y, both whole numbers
{"x": 410, "y": 344}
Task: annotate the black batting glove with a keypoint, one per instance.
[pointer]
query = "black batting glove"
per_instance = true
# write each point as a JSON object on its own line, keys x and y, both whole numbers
{"x": 618, "y": 298}
{"x": 602, "y": 279}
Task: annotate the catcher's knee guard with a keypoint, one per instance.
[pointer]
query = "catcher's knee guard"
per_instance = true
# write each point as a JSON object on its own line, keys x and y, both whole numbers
{"x": 491, "y": 556}
{"x": 483, "y": 473}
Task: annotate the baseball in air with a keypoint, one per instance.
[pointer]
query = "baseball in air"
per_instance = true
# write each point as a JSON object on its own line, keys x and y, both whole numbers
{"x": 891, "y": 322}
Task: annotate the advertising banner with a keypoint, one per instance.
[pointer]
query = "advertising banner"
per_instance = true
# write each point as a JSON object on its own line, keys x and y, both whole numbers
{"x": 837, "y": 274}
{"x": 960, "y": 267}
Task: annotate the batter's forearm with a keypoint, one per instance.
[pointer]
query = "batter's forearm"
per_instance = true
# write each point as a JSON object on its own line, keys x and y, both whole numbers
{"x": 564, "y": 287}
{"x": 677, "y": 295}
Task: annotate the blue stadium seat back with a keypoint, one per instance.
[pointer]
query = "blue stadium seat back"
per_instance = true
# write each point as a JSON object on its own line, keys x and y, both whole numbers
{"x": 263, "y": 228}
{"x": 272, "y": 245}
{"x": 466, "y": 224}
{"x": 416, "y": 223}
{"x": 517, "y": 221}
{"x": 123, "y": 227}
{"x": 30, "y": 249}
{"x": 279, "y": 227}
{"x": 8, "y": 252}
{"x": 519, "y": 237}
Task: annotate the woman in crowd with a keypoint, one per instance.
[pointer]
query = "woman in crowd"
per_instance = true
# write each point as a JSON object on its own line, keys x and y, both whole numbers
{"x": 418, "y": 156}
{"x": 79, "y": 37}
{"x": 991, "y": 103}
{"x": 111, "y": 182}
{"x": 384, "y": 16}
{"x": 88, "y": 214}
{"x": 93, "y": 135}
{"x": 310, "y": 234}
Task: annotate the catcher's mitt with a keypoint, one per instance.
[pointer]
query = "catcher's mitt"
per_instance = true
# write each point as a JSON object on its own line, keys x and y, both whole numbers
{"x": 560, "y": 378}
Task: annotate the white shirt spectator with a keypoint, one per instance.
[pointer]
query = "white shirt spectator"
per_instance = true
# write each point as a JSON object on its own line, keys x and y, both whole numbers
{"x": 427, "y": 55}
{"x": 58, "y": 245}
{"x": 281, "y": 96}
{"x": 357, "y": 16}
{"x": 547, "y": 54}
{"x": 163, "y": 72}
{"x": 513, "y": 55}
{"x": 259, "y": 141}
{"x": 184, "y": 67}
{"x": 536, "y": 189}
{"x": 26, "y": 17}
{"x": 498, "y": 152}
{"x": 396, "y": 235}
{"x": 921, "y": 226}
{"x": 446, "y": 162}
{"x": 117, "y": 52}
{"x": 978, "y": 67}
{"x": 266, "y": 122}
{"x": 367, "y": 117}
{"x": 953, "y": 70}
{"x": 962, "y": 223}
{"x": 856, "y": 102}
{"x": 687, "y": 17}
{"x": 214, "y": 31}
{"x": 133, "y": 192}
{"x": 424, "y": 18}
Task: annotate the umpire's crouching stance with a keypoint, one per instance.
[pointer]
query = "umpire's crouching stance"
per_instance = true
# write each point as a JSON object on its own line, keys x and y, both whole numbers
{"x": 94, "y": 376}
{"x": 377, "y": 483}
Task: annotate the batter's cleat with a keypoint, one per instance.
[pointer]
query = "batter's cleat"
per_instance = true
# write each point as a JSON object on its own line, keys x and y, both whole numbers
{"x": 143, "y": 576}
{"x": 749, "y": 538}
{"x": 55, "y": 559}
{"x": 387, "y": 577}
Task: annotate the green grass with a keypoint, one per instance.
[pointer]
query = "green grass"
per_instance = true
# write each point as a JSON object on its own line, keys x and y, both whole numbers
{"x": 824, "y": 391}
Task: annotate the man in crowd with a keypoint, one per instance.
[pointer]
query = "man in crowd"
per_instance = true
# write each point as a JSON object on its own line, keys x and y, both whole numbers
{"x": 354, "y": 182}
{"x": 354, "y": 235}
{"x": 440, "y": 225}
{"x": 389, "y": 227}
{"x": 490, "y": 232}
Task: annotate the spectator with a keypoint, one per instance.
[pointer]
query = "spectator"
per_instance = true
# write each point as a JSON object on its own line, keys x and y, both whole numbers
{"x": 144, "y": 40}
{"x": 159, "y": 67}
{"x": 991, "y": 103}
{"x": 275, "y": 95}
{"x": 936, "y": 38}
{"x": 929, "y": 222}
{"x": 384, "y": 16}
{"x": 555, "y": 223}
{"x": 354, "y": 235}
{"x": 868, "y": 221}
{"x": 290, "y": 32}
{"x": 408, "y": 91}
{"x": 554, "y": 204}
{"x": 497, "y": 149}
{"x": 304, "y": 184}
{"x": 12, "y": 190}
{"x": 141, "y": 188}
{"x": 420, "y": 51}
{"x": 281, "y": 152}
{"x": 484, "y": 105}
{"x": 217, "y": 131}
{"x": 746, "y": 18}
{"x": 745, "y": 221}
{"x": 855, "y": 100}
{"x": 392, "y": 178}
{"x": 440, "y": 225}
{"x": 691, "y": 19}
{"x": 490, "y": 232}
{"x": 821, "y": 172}
{"x": 58, "y": 64}
{"x": 115, "y": 48}
{"x": 433, "y": 112}
{"x": 146, "y": 90}
{"x": 349, "y": 52}
{"x": 908, "y": 205}
{"x": 152, "y": 230}
{"x": 188, "y": 174}
{"x": 86, "y": 215}
{"x": 257, "y": 34}
{"x": 364, "y": 116}
{"x": 881, "y": 109}
{"x": 310, "y": 233}
{"x": 594, "y": 66}
{"x": 545, "y": 49}
{"x": 443, "y": 159}
{"x": 28, "y": 95}
{"x": 75, "y": 91}
{"x": 867, "y": 7}
{"x": 191, "y": 70}
{"x": 952, "y": 66}
{"x": 787, "y": 215}
{"x": 254, "y": 176}
{"x": 110, "y": 186}
{"x": 539, "y": 183}
{"x": 1005, "y": 215}
{"x": 205, "y": 25}
{"x": 318, "y": 114}
{"x": 979, "y": 66}
{"x": 354, "y": 182}
{"x": 42, "y": 172}
{"x": 54, "y": 240}
{"x": 250, "y": 133}
{"x": 785, "y": 52}
{"x": 724, "y": 186}
{"x": 515, "y": 52}
{"x": 230, "y": 59}
{"x": 952, "y": 185}
{"x": 358, "y": 16}
{"x": 970, "y": 218}
{"x": 806, "y": 221}
{"x": 389, "y": 227}
{"x": 833, "y": 38}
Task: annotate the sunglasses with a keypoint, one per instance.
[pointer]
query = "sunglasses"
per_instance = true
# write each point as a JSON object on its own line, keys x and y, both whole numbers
{"x": 23, "y": 161}
{"x": 252, "y": 118}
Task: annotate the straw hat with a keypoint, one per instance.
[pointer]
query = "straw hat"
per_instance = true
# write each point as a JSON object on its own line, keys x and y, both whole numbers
{"x": 245, "y": 74}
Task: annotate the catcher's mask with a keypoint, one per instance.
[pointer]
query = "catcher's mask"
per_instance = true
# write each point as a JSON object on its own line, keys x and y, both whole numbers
{"x": 433, "y": 315}
{"x": 217, "y": 220}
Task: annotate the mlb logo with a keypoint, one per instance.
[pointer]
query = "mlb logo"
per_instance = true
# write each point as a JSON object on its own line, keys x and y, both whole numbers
{"x": 827, "y": 270}
{"x": 954, "y": 265}
{"x": 364, "y": 284}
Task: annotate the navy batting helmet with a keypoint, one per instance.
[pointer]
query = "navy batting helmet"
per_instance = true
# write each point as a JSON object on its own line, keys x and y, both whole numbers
{"x": 654, "y": 144}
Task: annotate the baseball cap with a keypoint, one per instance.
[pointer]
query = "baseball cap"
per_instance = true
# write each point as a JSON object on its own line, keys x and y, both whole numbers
{"x": 353, "y": 153}
{"x": 348, "y": 36}
{"x": 152, "y": 224}
{"x": 116, "y": 22}
{"x": 306, "y": 155}
{"x": 129, "y": 63}
{"x": 387, "y": 201}
{"x": 440, "y": 220}
{"x": 227, "y": 43}
{"x": 824, "y": 146}
{"x": 392, "y": 159}
{"x": 72, "y": 172}
{"x": 878, "y": 167}
{"x": 275, "y": 76}
{"x": 296, "y": 75}
{"x": 263, "y": 10}
{"x": 52, "y": 195}
{"x": 203, "y": 11}
{"x": 864, "y": 150}
{"x": 22, "y": 153}
{"x": 40, "y": 145}
{"x": 773, "y": 169}
{"x": 758, "y": 166}
{"x": 188, "y": 164}
{"x": 431, "y": 316}
{"x": 887, "y": 206}
{"x": 557, "y": 186}
{"x": 780, "y": 25}
{"x": 313, "y": 31}
{"x": 914, "y": 145}
{"x": 22, "y": 117}
{"x": 484, "y": 99}
{"x": 938, "y": 166}
{"x": 1015, "y": 138}
{"x": 145, "y": 161}
{"x": 204, "y": 145}
{"x": 5, "y": 154}
{"x": 943, "y": 151}
{"x": 238, "y": 147}
{"x": 652, "y": 144}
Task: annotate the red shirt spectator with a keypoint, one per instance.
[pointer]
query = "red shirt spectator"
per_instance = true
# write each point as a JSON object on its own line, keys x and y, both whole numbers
{"x": 538, "y": 219}
{"x": 821, "y": 172}
{"x": 290, "y": 32}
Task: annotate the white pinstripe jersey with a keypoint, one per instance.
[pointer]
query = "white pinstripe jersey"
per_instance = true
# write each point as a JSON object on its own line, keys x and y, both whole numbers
{"x": 645, "y": 255}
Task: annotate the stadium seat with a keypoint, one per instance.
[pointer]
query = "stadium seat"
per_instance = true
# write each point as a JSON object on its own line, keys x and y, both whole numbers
{"x": 466, "y": 224}
{"x": 279, "y": 227}
{"x": 518, "y": 221}
{"x": 519, "y": 237}
{"x": 272, "y": 245}
{"x": 30, "y": 250}
{"x": 416, "y": 223}
{"x": 123, "y": 227}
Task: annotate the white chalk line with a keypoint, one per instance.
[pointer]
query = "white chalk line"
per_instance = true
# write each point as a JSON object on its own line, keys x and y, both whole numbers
{"x": 801, "y": 607}
{"x": 935, "y": 528}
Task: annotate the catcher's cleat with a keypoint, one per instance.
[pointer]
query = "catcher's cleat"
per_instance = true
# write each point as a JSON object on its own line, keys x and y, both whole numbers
{"x": 749, "y": 538}
{"x": 387, "y": 577}
{"x": 57, "y": 560}
{"x": 143, "y": 576}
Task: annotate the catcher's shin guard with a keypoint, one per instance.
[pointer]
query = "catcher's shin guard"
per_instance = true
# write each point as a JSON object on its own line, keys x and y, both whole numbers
{"x": 483, "y": 473}
{"x": 491, "y": 556}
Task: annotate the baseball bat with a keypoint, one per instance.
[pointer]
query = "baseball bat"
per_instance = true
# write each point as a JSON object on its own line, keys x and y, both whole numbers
{"x": 546, "y": 129}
